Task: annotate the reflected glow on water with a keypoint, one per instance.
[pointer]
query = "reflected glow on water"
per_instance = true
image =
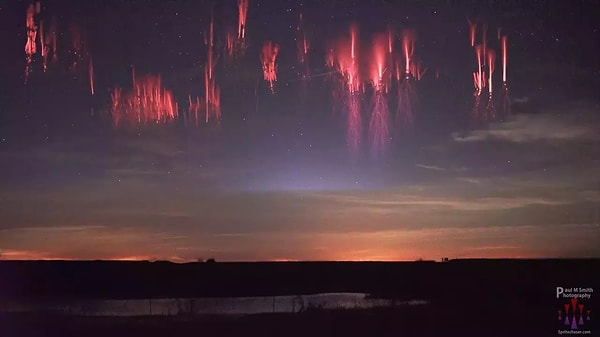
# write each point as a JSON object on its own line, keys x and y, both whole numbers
{"x": 223, "y": 306}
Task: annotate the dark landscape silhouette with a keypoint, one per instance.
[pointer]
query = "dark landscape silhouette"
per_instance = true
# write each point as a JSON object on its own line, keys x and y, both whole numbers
{"x": 468, "y": 297}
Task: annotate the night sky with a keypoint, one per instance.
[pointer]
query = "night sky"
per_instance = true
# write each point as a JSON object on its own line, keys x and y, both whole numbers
{"x": 275, "y": 179}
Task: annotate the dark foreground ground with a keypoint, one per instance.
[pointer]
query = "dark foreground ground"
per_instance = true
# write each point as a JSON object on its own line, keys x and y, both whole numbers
{"x": 467, "y": 297}
{"x": 435, "y": 320}
{"x": 503, "y": 280}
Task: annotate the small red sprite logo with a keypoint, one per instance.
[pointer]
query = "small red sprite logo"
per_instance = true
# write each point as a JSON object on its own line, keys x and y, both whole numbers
{"x": 574, "y": 315}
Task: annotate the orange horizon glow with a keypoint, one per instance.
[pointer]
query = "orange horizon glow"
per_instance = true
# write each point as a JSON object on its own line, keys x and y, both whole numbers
{"x": 365, "y": 259}
{"x": 349, "y": 256}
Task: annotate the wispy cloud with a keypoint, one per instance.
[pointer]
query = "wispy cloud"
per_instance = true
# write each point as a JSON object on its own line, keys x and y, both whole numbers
{"x": 591, "y": 195}
{"x": 470, "y": 180}
{"x": 20, "y": 254}
{"x": 17, "y": 254}
{"x": 232, "y": 235}
{"x": 493, "y": 248}
{"x": 430, "y": 167}
{"x": 462, "y": 204}
{"x": 52, "y": 229}
{"x": 530, "y": 128}
{"x": 135, "y": 172}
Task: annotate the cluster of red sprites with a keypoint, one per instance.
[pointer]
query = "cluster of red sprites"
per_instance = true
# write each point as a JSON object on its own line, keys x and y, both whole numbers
{"x": 42, "y": 38}
{"x": 385, "y": 63}
{"x": 148, "y": 102}
{"x": 483, "y": 75}
{"x": 381, "y": 67}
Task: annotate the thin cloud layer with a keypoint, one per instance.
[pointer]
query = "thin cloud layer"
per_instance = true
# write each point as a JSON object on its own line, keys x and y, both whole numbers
{"x": 165, "y": 196}
{"x": 536, "y": 127}
{"x": 430, "y": 167}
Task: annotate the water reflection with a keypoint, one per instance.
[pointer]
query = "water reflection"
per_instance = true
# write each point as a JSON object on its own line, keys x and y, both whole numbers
{"x": 222, "y": 306}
